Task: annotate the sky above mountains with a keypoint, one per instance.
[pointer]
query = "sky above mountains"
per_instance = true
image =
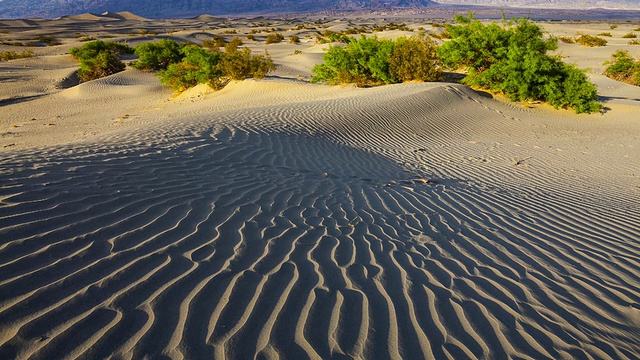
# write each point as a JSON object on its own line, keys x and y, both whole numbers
{"x": 186, "y": 8}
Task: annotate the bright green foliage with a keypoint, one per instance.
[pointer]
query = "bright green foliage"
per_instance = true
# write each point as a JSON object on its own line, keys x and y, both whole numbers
{"x": 99, "y": 59}
{"x": 158, "y": 55}
{"x": 623, "y": 67}
{"x": 104, "y": 64}
{"x": 364, "y": 62}
{"x": 92, "y": 49}
{"x": 512, "y": 59}
{"x": 369, "y": 61}
{"x": 415, "y": 58}
{"x": 200, "y": 66}
{"x": 197, "y": 67}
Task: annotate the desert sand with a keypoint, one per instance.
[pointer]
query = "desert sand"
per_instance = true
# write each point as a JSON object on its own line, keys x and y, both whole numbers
{"x": 281, "y": 219}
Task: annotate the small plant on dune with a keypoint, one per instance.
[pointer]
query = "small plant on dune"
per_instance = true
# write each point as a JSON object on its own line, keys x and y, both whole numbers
{"x": 251, "y": 37}
{"x": 512, "y": 59}
{"x": 613, "y": 26}
{"x": 369, "y": 61}
{"x": 158, "y": 55}
{"x": 274, "y": 38}
{"x": 608, "y": 34}
{"x": 630, "y": 35}
{"x": 99, "y": 59}
{"x": 566, "y": 39}
{"x": 634, "y": 42}
{"x": 622, "y": 67}
{"x": 12, "y": 55}
{"x": 591, "y": 41}
{"x": 215, "y": 42}
{"x": 239, "y": 64}
{"x": 294, "y": 39}
{"x": 235, "y": 42}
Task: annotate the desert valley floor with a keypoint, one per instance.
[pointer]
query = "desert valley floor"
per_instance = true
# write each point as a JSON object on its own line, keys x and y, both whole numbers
{"x": 283, "y": 219}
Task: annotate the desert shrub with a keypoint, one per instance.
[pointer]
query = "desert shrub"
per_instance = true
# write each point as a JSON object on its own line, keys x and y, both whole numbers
{"x": 622, "y": 67}
{"x": 158, "y": 55}
{"x": 274, "y": 38}
{"x": 104, "y": 64}
{"x": 198, "y": 66}
{"x": 608, "y": 34}
{"x": 512, "y": 59}
{"x": 294, "y": 39}
{"x": 630, "y": 35}
{"x": 215, "y": 42}
{"x": 251, "y": 37}
{"x": 415, "y": 58}
{"x": 45, "y": 39}
{"x": 297, "y": 52}
{"x": 566, "y": 39}
{"x": 636, "y": 29}
{"x": 235, "y": 42}
{"x": 592, "y": 41}
{"x": 364, "y": 62}
{"x": 238, "y": 64}
{"x": 613, "y": 26}
{"x": 93, "y": 48}
{"x": 99, "y": 59}
{"x": 230, "y": 32}
{"x": 634, "y": 42}
{"x": 12, "y": 55}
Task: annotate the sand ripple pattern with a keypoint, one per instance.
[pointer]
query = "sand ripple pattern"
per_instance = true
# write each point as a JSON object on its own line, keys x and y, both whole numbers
{"x": 308, "y": 231}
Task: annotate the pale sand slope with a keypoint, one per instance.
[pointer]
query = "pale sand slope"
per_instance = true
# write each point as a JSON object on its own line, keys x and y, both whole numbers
{"x": 283, "y": 219}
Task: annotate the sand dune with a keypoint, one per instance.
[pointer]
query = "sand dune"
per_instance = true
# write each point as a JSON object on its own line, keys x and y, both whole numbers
{"x": 281, "y": 219}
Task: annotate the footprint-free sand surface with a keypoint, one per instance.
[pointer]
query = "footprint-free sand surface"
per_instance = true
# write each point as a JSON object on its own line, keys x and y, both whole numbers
{"x": 281, "y": 219}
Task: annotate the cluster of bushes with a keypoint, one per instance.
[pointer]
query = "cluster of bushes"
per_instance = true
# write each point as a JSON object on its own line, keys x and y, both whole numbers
{"x": 99, "y": 59}
{"x": 510, "y": 59}
{"x": 591, "y": 41}
{"x": 371, "y": 61}
{"x": 513, "y": 60}
{"x": 392, "y": 26}
{"x": 623, "y": 67}
{"x": 180, "y": 66}
{"x": 12, "y": 55}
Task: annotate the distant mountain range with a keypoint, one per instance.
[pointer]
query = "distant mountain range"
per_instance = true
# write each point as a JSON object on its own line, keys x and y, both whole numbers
{"x": 557, "y": 4}
{"x": 184, "y": 8}
{"x": 187, "y": 8}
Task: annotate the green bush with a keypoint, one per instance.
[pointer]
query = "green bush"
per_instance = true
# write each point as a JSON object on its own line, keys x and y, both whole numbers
{"x": 104, "y": 64}
{"x": 512, "y": 59}
{"x": 158, "y": 55}
{"x": 630, "y": 35}
{"x": 364, "y": 62}
{"x": 199, "y": 66}
{"x": 415, "y": 58}
{"x": 99, "y": 59}
{"x": 274, "y": 38}
{"x": 215, "y": 42}
{"x": 622, "y": 67}
{"x": 591, "y": 41}
{"x": 12, "y": 55}
{"x": 369, "y": 61}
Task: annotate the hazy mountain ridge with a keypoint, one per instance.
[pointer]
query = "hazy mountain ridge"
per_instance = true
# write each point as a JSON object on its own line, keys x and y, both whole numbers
{"x": 560, "y": 4}
{"x": 182, "y": 8}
